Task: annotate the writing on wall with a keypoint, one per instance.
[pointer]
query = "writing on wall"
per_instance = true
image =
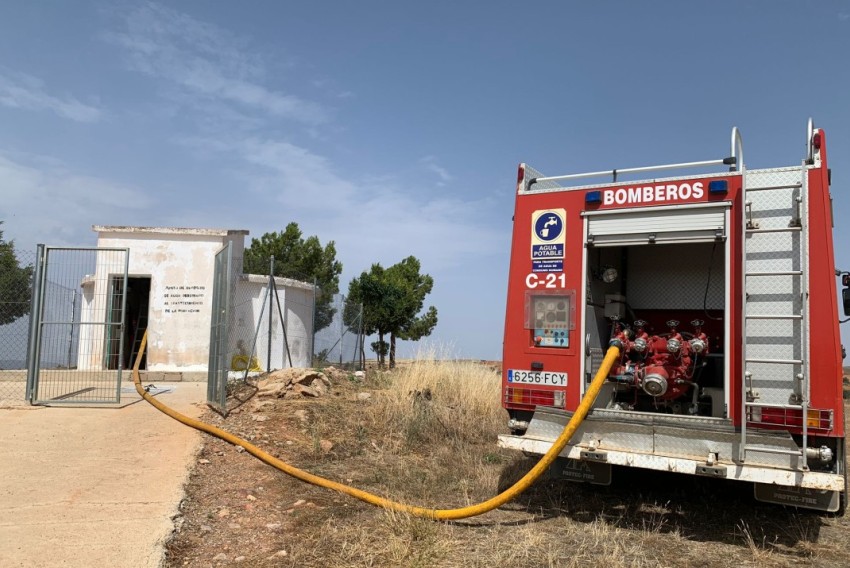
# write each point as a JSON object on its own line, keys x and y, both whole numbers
{"x": 187, "y": 299}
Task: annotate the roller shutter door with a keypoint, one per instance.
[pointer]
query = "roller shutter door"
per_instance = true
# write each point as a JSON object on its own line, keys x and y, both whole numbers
{"x": 680, "y": 224}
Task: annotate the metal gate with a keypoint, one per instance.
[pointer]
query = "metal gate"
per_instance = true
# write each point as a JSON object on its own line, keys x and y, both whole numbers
{"x": 219, "y": 326}
{"x": 77, "y": 330}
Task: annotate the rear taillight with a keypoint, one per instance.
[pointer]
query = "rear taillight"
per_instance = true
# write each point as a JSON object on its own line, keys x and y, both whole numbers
{"x": 816, "y": 419}
{"x": 816, "y": 140}
{"x": 534, "y": 397}
{"x": 520, "y": 175}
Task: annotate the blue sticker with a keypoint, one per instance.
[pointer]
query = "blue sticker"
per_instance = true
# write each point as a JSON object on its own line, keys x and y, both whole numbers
{"x": 547, "y": 265}
{"x": 555, "y": 250}
{"x": 510, "y": 376}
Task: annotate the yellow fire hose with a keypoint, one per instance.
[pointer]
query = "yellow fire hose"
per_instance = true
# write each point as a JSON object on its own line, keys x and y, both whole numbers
{"x": 437, "y": 514}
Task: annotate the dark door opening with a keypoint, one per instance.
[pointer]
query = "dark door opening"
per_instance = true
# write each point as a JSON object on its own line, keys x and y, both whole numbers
{"x": 136, "y": 322}
{"x": 138, "y": 301}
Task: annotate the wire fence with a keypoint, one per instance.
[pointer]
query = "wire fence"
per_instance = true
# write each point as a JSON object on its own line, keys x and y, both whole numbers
{"x": 272, "y": 325}
{"x": 15, "y": 297}
{"x": 340, "y": 343}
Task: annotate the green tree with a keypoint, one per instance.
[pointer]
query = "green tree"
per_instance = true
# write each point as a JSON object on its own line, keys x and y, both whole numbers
{"x": 412, "y": 326}
{"x": 392, "y": 300}
{"x": 299, "y": 259}
{"x": 373, "y": 291}
{"x": 15, "y": 290}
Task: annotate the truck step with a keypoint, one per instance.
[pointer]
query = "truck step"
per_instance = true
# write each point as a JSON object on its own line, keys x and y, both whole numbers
{"x": 773, "y": 187}
{"x": 776, "y": 273}
{"x": 776, "y": 361}
{"x": 775, "y": 230}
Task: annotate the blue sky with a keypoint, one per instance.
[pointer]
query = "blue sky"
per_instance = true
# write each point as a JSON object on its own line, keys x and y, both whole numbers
{"x": 394, "y": 128}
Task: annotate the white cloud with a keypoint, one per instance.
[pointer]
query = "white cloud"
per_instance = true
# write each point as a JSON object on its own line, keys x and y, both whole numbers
{"x": 432, "y": 165}
{"x": 44, "y": 202}
{"x": 19, "y": 90}
{"x": 206, "y": 61}
{"x": 382, "y": 218}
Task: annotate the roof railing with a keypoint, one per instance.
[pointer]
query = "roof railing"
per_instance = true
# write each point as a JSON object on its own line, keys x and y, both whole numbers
{"x": 735, "y": 161}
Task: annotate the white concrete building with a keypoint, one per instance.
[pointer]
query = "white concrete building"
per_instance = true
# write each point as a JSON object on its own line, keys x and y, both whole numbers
{"x": 169, "y": 293}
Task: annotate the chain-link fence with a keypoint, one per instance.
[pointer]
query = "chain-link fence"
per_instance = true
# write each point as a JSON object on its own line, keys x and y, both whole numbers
{"x": 340, "y": 343}
{"x": 270, "y": 324}
{"x": 277, "y": 323}
{"x": 16, "y": 270}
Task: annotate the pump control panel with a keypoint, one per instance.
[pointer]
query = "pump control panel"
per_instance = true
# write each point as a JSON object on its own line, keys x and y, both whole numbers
{"x": 550, "y": 319}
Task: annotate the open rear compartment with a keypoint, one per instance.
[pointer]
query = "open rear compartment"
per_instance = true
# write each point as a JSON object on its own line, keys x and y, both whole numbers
{"x": 668, "y": 303}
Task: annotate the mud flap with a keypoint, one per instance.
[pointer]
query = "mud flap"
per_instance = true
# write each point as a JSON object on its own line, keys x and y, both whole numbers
{"x": 594, "y": 472}
{"x": 817, "y": 499}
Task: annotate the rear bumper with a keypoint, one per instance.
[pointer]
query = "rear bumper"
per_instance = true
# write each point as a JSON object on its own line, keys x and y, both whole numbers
{"x": 689, "y": 445}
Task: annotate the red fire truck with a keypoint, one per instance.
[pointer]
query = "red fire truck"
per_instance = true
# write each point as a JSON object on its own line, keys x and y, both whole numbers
{"x": 720, "y": 291}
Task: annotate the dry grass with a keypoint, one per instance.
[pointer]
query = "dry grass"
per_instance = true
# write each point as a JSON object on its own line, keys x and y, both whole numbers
{"x": 427, "y": 436}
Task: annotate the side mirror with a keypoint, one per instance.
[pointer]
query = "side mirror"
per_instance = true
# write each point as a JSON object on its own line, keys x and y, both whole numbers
{"x": 845, "y": 293}
{"x": 846, "y": 296}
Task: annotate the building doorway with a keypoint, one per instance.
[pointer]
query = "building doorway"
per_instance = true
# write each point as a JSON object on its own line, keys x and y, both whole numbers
{"x": 136, "y": 322}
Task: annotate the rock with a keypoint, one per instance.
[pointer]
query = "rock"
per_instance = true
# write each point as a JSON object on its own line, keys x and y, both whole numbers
{"x": 284, "y": 375}
{"x": 220, "y": 557}
{"x": 299, "y": 503}
{"x": 203, "y": 461}
{"x": 359, "y": 375}
{"x": 234, "y": 526}
{"x": 279, "y": 554}
{"x": 239, "y": 449}
{"x": 310, "y": 376}
{"x": 289, "y": 442}
{"x": 205, "y": 529}
{"x": 324, "y": 378}
{"x": 259, "y": 417}
{"x": 364, "y": 396}
{"x": 223, "y": 513}
{"x": 301, "y": 415}
{"x": 239, "y": 559}
{"x": 319, "y": 387}
{"x": 272, "y": 526}
{"x": 306, "y": 391}
{"x": 251, "y": 498}
{"x": 275, "y": 390}
{"x": 326, "y": 445}
{"x": 305, "y": 377}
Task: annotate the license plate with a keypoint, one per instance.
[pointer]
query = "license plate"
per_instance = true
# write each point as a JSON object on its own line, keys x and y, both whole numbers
{"x": 545, "y": 378}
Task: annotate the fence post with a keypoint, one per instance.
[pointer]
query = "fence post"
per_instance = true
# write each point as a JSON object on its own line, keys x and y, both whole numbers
{"x": 360, "y": 340}
{"x": 313, "y": 325}
{"x": 35, "y": 317}
{"x": 269, "y": 342}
